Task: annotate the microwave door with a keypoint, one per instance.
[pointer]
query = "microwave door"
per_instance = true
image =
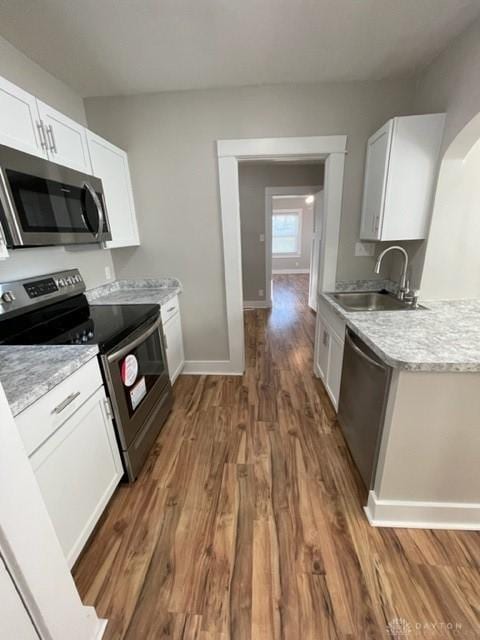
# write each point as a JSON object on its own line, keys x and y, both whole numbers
{"x": 46, "y": 204}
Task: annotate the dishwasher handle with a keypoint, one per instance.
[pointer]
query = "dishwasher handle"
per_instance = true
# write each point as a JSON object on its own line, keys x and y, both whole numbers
{"x": 362, "y": 354}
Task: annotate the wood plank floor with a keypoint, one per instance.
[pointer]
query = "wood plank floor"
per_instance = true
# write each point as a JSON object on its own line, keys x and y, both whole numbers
{"x": 247, "y": 521}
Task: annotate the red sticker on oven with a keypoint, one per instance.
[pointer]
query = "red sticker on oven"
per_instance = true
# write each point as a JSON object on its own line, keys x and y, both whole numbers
{"x": 129, "y": 370}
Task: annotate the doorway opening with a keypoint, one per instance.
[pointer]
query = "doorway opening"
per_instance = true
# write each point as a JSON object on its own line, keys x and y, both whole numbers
{"x": 327, "y": 149}
{"x": 293, "y": 220}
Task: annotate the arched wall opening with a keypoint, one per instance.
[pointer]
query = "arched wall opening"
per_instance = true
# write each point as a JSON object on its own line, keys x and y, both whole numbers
{"x": 452, "y": 258}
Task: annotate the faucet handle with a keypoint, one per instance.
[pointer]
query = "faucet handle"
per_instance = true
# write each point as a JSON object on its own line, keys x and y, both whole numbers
{"x": 411, "y": 297}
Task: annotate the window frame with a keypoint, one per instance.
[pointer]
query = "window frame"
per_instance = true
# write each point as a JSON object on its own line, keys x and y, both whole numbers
{"x": 299, "y": 213}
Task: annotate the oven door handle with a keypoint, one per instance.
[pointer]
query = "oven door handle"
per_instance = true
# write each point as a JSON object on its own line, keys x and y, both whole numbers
{"x": 123, "y": 351}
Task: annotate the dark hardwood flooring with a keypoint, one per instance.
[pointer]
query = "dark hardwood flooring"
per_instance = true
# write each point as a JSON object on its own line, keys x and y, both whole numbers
{"x": 247, "y": 521}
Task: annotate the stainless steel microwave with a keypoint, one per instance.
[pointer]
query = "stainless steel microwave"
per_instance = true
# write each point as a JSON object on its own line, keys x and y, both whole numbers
{"x": 43, "y": 203}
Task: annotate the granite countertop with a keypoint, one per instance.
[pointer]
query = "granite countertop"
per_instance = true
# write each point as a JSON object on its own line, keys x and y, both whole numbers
{"x": 139, "y": 291}
{"x": 29, "y": 372}
{"x": 443, "y": 337}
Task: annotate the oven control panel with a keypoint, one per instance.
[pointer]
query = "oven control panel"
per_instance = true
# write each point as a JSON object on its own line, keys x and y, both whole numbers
{"x": 40, "y": 287}
{"x": 19, "y": 295}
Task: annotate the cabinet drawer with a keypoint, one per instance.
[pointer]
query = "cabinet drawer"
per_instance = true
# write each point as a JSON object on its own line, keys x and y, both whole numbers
{"x": 40, "y": 420}
{"x": 169, "y": 309}
{"x": 331, "y": 318}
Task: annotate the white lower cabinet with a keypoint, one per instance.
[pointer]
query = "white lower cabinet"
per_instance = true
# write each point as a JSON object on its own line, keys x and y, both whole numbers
{"x": 329, "y": 352}
{"x": 335, "y": 361}
{"x": 77, "y": 464}
{"x": 173, "y": 337}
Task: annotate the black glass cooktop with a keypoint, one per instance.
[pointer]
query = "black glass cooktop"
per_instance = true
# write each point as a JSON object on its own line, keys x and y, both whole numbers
{"x": 74, "y": 321}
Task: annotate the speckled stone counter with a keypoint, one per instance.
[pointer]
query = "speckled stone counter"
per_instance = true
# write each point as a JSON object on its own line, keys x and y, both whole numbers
{"x": 140, "y": 291}
{"x": 29, "y": 372}
{"x": 443, "y": 337}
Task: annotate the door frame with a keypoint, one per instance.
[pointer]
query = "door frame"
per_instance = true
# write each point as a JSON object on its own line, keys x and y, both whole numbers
{"x": 269, "y": 193}
{"x": 331, "y": 149}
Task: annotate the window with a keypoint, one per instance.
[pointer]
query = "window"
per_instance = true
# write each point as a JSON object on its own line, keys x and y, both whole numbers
{"x": 286, "y": 232}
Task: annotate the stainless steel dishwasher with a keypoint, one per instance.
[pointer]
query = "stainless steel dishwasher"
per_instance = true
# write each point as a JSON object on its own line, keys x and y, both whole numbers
{"x": 363, "y": 398}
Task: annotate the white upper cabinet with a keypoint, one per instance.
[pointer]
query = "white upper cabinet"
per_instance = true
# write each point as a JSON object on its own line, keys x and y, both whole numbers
{"x": 110, "y": 163}
{"x": 66, "y": 139}
{"x": 32, "y": 126}
{"x": 20, "y": 125}
{"x": 400, "y": 175}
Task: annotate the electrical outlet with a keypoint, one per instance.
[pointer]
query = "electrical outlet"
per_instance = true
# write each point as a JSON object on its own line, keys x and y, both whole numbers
{"x": 364, "y": 249}
{"x": 108, "y": 272}
{"x": 261, "y": 293}
{"x": 262, "y": 237}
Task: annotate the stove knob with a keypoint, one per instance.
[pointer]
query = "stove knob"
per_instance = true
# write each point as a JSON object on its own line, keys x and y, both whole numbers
{"x": 8, "y": 297}
{"x": 90, "y": 335}
{"x": 61, "y": 283}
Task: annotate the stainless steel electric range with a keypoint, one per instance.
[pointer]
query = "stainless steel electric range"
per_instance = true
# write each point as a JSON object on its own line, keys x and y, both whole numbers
{"x": 53, "y": 309}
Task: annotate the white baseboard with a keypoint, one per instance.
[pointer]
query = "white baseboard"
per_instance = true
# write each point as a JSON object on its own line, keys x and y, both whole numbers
{"x": 422, "y": 515}
{"x": 101, "y": 627}
{"x": 209, "y": 368}
{"x": 286, "y": 271}
{"x": 256, "y": 304}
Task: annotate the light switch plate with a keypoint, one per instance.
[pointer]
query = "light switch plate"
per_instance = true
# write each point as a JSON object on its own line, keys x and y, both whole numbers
{"x": 364, "y": 249}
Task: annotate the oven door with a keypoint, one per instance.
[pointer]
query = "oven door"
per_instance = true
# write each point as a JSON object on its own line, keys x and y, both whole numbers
{"x": 137, "y": 377}
{"x": 42, "y": 203}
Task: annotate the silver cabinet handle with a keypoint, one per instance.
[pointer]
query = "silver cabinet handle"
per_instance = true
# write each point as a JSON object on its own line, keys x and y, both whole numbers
{"x": 165, "y": 340}
{"x": 51, "y": 137}
{"x": 41, "y": 133}
{"x": 64, "y": 404}
{"x": 171, "y": 309}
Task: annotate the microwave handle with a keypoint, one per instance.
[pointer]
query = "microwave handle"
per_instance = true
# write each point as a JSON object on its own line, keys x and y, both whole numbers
{"x": 101, "y": 217}
{"x": 119, "y": 353}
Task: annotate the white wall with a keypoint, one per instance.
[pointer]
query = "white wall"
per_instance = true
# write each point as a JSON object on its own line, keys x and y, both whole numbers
{"x": 17, "y": 68}
{"x": 303, "y": 260}
{"x": 171, "y": 140}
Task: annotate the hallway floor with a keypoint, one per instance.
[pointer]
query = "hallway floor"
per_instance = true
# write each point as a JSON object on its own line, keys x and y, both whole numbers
{"x": 247, "y": 521}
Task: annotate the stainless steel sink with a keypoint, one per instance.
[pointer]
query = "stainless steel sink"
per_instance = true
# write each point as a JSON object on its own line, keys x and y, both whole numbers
{"x": 371, "y": 301}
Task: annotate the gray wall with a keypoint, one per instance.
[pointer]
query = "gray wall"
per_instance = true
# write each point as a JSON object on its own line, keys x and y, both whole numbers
{"x": 254, "y": 178}
{"x": 25, "y": 73}
{"x": 303, "y": 260}
{"x": 450, "y": 84}
{"x": 170, "y": 138}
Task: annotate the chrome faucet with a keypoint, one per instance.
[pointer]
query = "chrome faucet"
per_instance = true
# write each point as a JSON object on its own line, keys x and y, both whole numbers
{"x": 402, "y": 285}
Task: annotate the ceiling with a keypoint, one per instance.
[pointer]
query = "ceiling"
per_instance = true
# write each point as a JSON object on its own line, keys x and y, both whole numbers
{"x": 110, "y": 47}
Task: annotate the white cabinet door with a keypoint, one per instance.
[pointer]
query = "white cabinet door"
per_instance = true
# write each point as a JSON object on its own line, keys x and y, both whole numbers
{"x": 335, "y": 362}
{"x": 15, "y": 623}
{"x": 66, "y": 139}
{"x": 110, "y": 164}
{"x": 323, "y": 339}
{"x": 174, "y": 346}
{"x": 315, "y": 253}
{"x": 376, "y": 172}
{"x": 77, "y": 470}
{"x": 20, "y": 120}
